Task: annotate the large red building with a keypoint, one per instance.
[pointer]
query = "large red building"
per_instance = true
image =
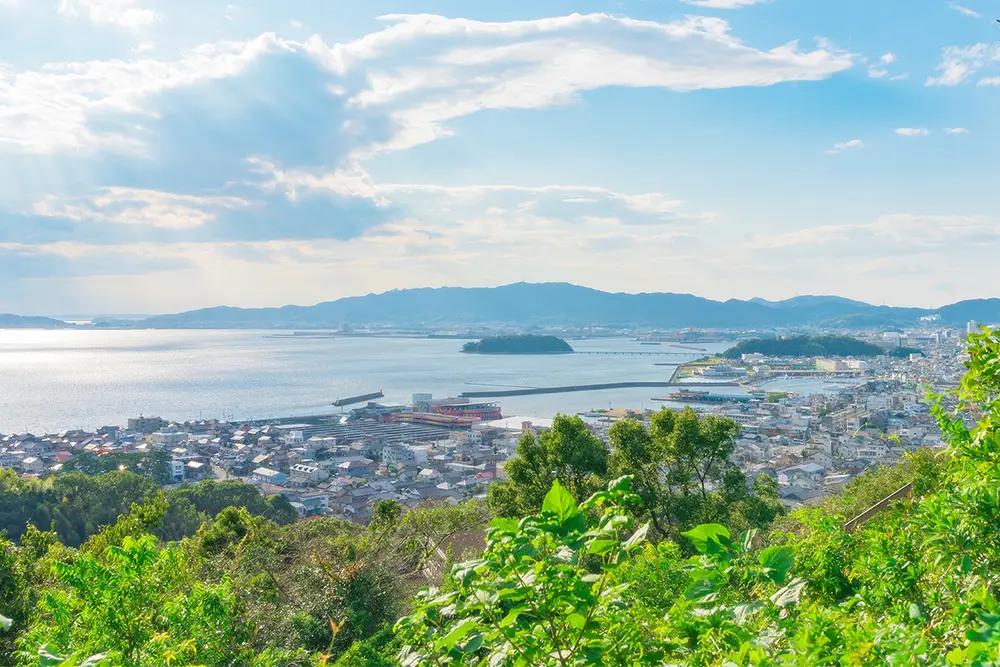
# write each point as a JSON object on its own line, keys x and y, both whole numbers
{"x": 483, "y": 412}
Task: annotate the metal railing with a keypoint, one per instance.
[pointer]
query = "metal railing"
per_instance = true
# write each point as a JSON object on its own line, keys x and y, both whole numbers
{"x": 871, "y": 512}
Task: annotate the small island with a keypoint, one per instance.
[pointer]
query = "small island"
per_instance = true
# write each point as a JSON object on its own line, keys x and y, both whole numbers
{"x": 524, "y": 344}
{"x": 806, "y": 346}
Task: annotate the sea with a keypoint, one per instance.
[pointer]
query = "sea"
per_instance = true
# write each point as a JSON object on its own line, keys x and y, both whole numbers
{"x": 56, "y": 380}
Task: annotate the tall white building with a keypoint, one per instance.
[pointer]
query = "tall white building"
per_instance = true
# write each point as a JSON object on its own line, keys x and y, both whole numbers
{"x": 971, "y": 327}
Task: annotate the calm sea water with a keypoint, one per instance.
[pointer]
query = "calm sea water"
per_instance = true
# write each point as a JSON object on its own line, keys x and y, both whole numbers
{"x": 54, "y": 380}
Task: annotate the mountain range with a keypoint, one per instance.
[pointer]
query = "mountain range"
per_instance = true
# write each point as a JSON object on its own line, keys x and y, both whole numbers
{"x": 527, "y": 304}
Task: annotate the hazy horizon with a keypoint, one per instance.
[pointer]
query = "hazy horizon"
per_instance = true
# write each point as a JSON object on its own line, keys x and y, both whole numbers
{"x": 136, "y": 316}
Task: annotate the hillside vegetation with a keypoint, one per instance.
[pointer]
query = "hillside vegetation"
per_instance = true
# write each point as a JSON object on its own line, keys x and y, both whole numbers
{"x": 675, "y": 563}
{"x": 520, "y": 344}
{"x": 806, "y": 346}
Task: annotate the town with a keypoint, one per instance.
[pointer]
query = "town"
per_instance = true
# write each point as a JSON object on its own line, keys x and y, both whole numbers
{"x": 451, "y": 449}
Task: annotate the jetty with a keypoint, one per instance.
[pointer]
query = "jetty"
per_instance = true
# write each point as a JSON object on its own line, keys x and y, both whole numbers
{"x": 351, "y": 400}
{"x": 500, "y": 393}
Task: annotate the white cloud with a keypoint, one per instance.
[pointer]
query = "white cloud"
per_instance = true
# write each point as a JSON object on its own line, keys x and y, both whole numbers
{"x": 955, "y": 130}
{"x": 965, "y": 10}
{"x": 907, "y": 232}
{"x": 49, "y": 110}
{"x": 990, "y": 81}
{"x": 298, "y": 25}
{"x": 122, "y": 13}
{"x": 473, "y": 65}
{"x": 463, "y": 67}
{"x": 723, "y": 4}
{"x": 877, "y": 72}
{"x": 129, "y": 206}
{"x": 958, "y": 63}
{"x": 888, "y": 58}
{"x": 847, "y": 145}
{"x": 912, "y": 131}
{"x": 880, "y": 70}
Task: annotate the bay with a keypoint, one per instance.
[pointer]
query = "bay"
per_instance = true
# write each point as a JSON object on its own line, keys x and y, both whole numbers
{"x": 56, "y": 380}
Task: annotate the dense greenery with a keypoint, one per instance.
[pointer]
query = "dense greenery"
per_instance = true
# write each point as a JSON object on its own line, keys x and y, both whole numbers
{"x": 806, "y": 346}
{"x": 574, "y": 581}
{"x": 520, "y": 344}
{"x": 75, "y": 506}
{"x": 680, "y": 467}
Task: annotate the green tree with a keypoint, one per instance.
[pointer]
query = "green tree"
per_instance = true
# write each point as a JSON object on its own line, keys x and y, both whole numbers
{"x": 568, "y": 452}
{"x": 681, "y": 471}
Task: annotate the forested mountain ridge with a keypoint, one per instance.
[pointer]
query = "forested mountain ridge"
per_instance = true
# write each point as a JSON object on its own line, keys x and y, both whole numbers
{"x": 561, "y": 304}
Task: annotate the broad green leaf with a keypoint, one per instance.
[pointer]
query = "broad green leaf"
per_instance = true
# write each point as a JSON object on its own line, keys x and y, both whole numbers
{"x": 601, "y": 547}
{"x": 560, "y": 502}
{"x": 455, "y": 635}
{"x": 512, "y": 615}
{"x": 743, "y": 611}
{"x": 5, "y": 622}
{"x": 637, "y": 537}
{"x": 507, "y": 525}
{"x": 708, "y": 537}
{"x": 701, "y": 590}
{"x": 576, "y": 620}
{"x": 94, "y": 660}
{"x": 623, "y": 484}
{"x": 790, "y": 594}
{"x": 777, "y": 561}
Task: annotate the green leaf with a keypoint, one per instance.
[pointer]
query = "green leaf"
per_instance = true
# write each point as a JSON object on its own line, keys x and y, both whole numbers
{"x": 777, "y": 561}
{"x": 457, "y": 633}
{"x": 743, "y": 611}
{"x": 623, "y": 484}
{"x": 5, "y": 622}
{"x": 512, "y": 615}
{"x": 790, "y": 594}
{"x": 915, "y": 613}
{"x": 507, "y": 525}
{"x": 576, "y": 620}
{"x": 709, "y": 537}
{"x": 560, "y": 502}
{"x": 601, "y": 547}
{"x": 702, "y": 590}
{"x": 637, "y": 537}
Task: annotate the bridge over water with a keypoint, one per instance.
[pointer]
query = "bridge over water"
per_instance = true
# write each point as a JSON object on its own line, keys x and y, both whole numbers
{"x": 639, "y": 354}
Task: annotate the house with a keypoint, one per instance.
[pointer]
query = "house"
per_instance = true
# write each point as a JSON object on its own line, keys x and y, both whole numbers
{"x": 268, "y": 476}
{"x": 806, "y": 475}
{"x": 315, "y": 504}
{"x": 32, "y": 466}
{"x": 310, "y": 472}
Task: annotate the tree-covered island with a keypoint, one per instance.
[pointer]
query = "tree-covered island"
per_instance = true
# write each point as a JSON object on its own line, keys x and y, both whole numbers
{"x": 519, "y": 344}
{"x": 806, "y": 346}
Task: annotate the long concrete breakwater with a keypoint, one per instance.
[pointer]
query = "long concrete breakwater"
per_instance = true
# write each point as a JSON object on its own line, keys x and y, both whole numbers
{"x": 501, "y": 393}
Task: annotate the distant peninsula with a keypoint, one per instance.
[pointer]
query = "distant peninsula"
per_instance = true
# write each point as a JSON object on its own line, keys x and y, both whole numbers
{"x": 526, "y": 344}
{"x": 806, "y": 346}
{"x": 8, "y": 321}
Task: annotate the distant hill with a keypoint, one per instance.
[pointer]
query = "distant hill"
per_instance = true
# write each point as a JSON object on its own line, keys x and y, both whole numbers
{"x": 806, "y": 346}
{"x": 983, "y": 311}
{"x": 8, "y": 321}
{"x": 527, "y": 304}
{"x": 526, "y": 344}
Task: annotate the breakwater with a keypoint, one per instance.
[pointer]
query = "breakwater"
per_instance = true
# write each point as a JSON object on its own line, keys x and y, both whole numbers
{"x": 588, "y": 387}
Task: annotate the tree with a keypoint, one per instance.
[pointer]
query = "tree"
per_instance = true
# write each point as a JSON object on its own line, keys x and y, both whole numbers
{"x": 681, "y": 471}
{"x": 567, "y": 452}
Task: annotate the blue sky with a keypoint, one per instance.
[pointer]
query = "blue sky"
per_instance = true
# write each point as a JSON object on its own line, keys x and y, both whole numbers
{"x": 159, "y": 155}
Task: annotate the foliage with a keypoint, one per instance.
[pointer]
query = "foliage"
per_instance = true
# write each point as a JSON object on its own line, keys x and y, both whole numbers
{"x": 77, "y": 505}
{"x": 568, "y": 452}
{"x": 532, "y": 598}
{"x": 806, "y": 346}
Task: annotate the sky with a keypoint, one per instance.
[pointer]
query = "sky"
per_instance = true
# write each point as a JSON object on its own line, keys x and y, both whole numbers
{"x": 165, "y": 155}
